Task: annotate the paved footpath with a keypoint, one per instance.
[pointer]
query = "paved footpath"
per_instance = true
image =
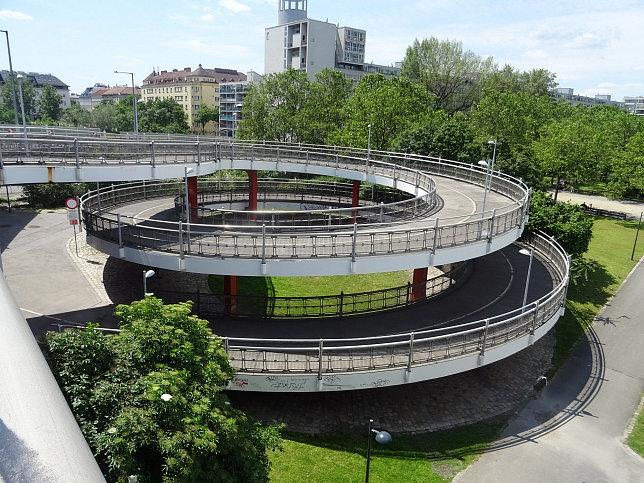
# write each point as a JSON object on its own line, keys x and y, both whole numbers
{"x": 574, "y": 431}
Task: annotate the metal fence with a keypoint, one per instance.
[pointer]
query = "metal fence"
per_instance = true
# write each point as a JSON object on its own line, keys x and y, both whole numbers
{"x": 332, "y": 356}
{"x": 208, "y": 305}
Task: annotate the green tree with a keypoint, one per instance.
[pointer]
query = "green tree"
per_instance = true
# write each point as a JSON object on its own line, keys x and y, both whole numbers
{"x": 322, "y": 113}
{"x": 104, "y": 116}
{"x": 205, "y": 115}
{"x": 124, "y": 115}
{"x": 536, "y": 82}
{"x": 51, "y": 103}
{"x": 149, "y": 399}
{"x": 453, "y": 75}
{"x": 273, "y": 108}
{"x": 572, "y": 148}
{"x": 391, "y": 106}
{"x": 442, "y": 136}
{"x": 628, "y": 170}
{"x": 76, "y": 115}
{"x": 28, "y": 97}
{"x": 566, "y": 222}
{"x": 162, "y": 115}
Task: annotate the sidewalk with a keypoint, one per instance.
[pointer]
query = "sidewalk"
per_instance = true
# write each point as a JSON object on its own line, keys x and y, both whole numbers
{"x": 574, "y": 431}
{"x": 633, "y": 209}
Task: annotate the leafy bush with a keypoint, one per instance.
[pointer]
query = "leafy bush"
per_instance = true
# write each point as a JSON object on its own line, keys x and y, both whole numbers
{"x": 566, "y": 222}
{"x": 149, "y": 400}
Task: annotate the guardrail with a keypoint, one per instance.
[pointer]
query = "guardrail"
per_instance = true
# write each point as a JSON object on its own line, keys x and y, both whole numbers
{"x": 334, "y": 356}
{"x": 336, "y": 197}
{"x": 207, "y": 305}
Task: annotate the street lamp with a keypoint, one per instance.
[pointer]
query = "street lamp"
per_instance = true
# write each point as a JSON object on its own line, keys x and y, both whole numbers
{"x": 22, "y": 110}
{"x": 369, "y": 145}
{"x": 529, "y": 253}
{"x": 13, "y": 88}
{"x": 136, "y": 116}
{"x": 147, "y": 274}
{"x": 382, "y": 437}
{"x": 488, "y": 175}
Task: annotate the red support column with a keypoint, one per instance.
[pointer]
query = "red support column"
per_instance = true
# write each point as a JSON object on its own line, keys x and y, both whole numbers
{"x": 192, "y": 199}
{"x": 252, "y": 192}
{"x": 355, "y": 199}
{"x": 419, "y": 290}
{"x": 230, "y": 294}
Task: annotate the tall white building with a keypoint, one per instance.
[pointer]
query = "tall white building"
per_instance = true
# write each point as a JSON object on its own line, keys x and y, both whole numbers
{"x": 301, "y": 43}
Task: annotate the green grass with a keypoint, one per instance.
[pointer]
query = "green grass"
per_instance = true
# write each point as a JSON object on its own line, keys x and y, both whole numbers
{"x": 611, "y": 247}
{"x": 636, "y": 438}
{"x": 438, "y": 457}
{"x": 431, "y": 457}
{"x": 261, "y": 288}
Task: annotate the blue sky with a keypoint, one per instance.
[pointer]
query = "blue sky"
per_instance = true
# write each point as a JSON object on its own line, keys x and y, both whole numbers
{"x": 593, "y": 46}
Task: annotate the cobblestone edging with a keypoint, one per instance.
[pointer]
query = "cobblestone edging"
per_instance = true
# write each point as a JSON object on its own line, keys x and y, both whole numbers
{"x": 491, "y": 391}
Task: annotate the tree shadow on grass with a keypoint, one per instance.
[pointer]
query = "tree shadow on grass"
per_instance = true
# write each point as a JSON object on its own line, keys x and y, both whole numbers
{"x": 594, "y": 289}
{"x": 453, "y": 444}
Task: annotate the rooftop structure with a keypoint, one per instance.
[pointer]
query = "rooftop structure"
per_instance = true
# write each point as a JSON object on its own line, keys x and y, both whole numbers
{"x": 309, "y": 45}
{"x": 635, "y": 105}
{"x": 567, "y": 93}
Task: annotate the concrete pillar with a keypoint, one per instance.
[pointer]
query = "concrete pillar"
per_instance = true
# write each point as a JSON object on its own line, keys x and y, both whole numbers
{"x": 192, "y": 199}
{"x": 252, "y": 192}
{"x": 230, "y": 294}
{"x": 419, "y": 289}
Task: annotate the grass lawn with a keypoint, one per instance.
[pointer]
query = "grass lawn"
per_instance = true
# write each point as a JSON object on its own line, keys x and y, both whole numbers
{"x": 636, "y": 438}
{"x": 438, "y": 457}
{"x": 431, "y": 457}
{"x": 611, "y": 247}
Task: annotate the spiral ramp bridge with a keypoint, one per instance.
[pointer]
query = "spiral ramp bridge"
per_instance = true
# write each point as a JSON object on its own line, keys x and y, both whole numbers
{"x": 442, "y": 220}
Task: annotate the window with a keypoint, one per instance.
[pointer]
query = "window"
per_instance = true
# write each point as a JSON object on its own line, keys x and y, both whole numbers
{"x": 196, "y": 98}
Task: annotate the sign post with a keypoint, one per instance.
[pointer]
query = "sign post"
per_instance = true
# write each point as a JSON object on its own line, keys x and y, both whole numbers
{"x": 73, "y": 216}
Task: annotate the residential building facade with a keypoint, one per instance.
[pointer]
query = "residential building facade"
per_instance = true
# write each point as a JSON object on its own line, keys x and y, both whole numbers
{"x": 567, "y": 93}
{"x": 309, "y": 45}
{"x": 635, "y": 105}
{"x": 92, "y": 96}
{"x": 231, "y": 100}
{"x": 190, "y": 89}
{"x": 39, "y": 81}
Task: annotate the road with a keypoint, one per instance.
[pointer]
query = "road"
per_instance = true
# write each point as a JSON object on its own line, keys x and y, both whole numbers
{"x": 574, "y": 430}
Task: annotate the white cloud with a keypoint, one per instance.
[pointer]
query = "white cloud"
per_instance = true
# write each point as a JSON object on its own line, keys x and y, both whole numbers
{"x": 13, "y": 15}
{"x": 209, "y": 17}
{"x": 234, "y": 6}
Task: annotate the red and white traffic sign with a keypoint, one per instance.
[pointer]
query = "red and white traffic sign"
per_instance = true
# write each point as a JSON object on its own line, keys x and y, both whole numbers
{"x": 71, "y": 203}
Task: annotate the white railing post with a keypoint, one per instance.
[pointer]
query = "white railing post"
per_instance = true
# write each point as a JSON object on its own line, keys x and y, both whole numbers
{"x": 487, "y": 325}
{"x": 410, "y": 360}
{"x": 118, "y": 222}
{"x": 320, "y": 355}
{"x": 353, "y": 247}
{"x": 76, "y": 152}
{"x": 152, "y": 153}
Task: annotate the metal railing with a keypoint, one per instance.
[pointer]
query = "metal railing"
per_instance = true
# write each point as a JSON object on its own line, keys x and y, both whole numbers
{"x": 333, "y": 356}
{"x": 321, "y": 202}
{"x": 207, "y": 305}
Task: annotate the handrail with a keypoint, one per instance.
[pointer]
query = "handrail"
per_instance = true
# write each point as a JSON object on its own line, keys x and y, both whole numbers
{"x": 409, "y": 349}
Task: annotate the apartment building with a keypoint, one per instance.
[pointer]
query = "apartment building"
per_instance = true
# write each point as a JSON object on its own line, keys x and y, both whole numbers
{"x": 39, "y": 81}
{"x": 635, "y": 105}
{"x": 309, "y": 45}
{"x": 191, "y": 89}
{"x": 231, "y": 100}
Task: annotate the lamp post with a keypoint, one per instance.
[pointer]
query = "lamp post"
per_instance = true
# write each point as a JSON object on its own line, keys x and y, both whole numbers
{"x": 13, "y": 87}
{"x": 382, "y": 437}
{"x": 529, "y": 253}
{"x": 369, "y": 145}
{"x": 147, "y": 274}
{"x": 488, "y": 175}
{"x": 22, "y": 110}
{"x": 136, "y": 116}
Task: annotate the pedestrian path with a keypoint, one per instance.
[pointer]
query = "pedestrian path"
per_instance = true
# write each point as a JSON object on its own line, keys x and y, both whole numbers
{"x": 575, "y": 430}
{"x": 633, "y": 209}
